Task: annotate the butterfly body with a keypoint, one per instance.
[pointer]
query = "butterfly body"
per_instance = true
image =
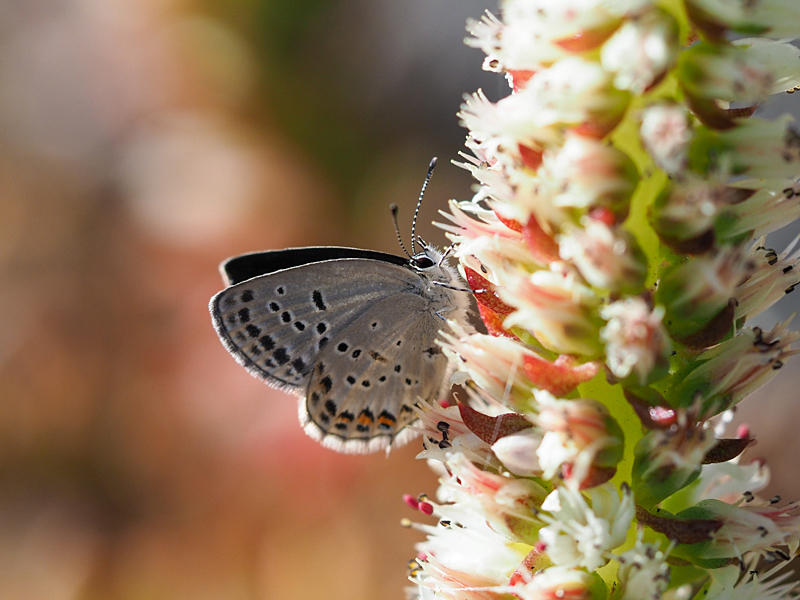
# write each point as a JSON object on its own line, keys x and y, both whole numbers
{"x": 352, "y": 332}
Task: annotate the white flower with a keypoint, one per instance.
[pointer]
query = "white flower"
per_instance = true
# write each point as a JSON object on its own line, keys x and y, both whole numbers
{"x": 583, "y": 534}
{"x": 576, "y": 433}
{"x": 517, "y": 452}
{"x": 774, "y": 276}
{"x": 763, "y": 529}
{"x": 745, "y": 582}
{"x": 727, "y": 481}
{"x": 643, "y": 572}
{"x": 480, "y": 233}
{"x": 636, "y": 342}
{"x": 554, "y": 306}
{"x": 462, "y": 554}
{"x": 774, "y": 204}
{"x": 642, "y": 50}
{"x": 608, "y": 258}
{"x": 554, "y": 583}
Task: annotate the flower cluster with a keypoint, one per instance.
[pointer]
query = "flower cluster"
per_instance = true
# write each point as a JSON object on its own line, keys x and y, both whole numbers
{"x": 615, "y": 245}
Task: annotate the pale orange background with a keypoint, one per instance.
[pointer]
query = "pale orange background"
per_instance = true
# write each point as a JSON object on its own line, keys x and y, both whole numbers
{"x": 141, "y": 142}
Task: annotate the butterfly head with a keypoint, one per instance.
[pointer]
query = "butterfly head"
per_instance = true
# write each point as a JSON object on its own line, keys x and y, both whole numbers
{"x": 432, "y": 265}
{"x": 422, "y": 262}
{"x": 429, "y": 261}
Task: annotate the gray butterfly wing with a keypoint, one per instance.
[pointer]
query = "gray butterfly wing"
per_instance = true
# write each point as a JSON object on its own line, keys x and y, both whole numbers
{"x": 277, "y": 325}
{"x": 363, "y": 389}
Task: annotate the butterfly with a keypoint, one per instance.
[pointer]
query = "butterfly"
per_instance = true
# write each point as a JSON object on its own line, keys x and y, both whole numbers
{"x": 351, "y": 332}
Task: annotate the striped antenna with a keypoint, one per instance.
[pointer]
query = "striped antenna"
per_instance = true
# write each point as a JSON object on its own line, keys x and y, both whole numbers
{"x": 431, "y": 167}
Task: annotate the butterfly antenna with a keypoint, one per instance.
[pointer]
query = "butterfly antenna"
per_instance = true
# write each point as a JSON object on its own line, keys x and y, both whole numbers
{"x": 394, "y": 210}
{"x": 446, "y": 253}
{"x": 431, "y": 167}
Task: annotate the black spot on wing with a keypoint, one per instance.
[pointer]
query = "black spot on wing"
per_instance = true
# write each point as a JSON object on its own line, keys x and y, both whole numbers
{"x": 247, "y": 296}
{"x": 267, "y": 342}
{"x": 244, "y": 315}
{"x": 327, "y": 383}
{"x": 253, "y": 331}
{"x": 299, "y": 365}
{"x": 281, "y": 356}
{"x": 316, "y": 296}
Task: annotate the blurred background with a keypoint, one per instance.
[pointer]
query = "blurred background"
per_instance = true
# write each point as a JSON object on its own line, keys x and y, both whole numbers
{"x": 142, "y": 142}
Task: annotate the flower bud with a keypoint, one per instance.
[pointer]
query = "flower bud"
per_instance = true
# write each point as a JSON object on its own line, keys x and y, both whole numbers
{"x": 723, "y": 375}
{"x": 555, "y": 307}
{"x": 776, "y": 18}
{"x": 506, "y": 369}
{"x": 640, "y": 52}
{"x": 667, "y": 460}
{"x": 748, "y": 72}
{"x": 643, "y": 572}
{"x": 755, "y": 147}
{"x": 561, "y": 582}
{"x": 764, "y": 530}
{"x": 686, "y": 215}
{"x": 774, "y": 275}
{"x": 666, "y": 133}
{"x": 697, "y": 297}
{"x": 509, "y": 505}
{"x": 580, "y": 433}
{"x": 771, "y": 204}
{"x": 608, "y": 258}
{"x": 572, "y": 93}
{"x": 480, "y": 233}
{"x": 637, "y": 346}
{"x": 585, "y": 174}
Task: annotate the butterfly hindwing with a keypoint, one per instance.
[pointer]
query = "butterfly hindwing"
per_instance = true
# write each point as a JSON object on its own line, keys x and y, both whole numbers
{"x": 277, "y": 325}
{"x": 368, "y": 379}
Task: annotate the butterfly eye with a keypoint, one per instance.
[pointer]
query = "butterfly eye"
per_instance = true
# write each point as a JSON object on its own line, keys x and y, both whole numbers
{"x": 421, "y": 262}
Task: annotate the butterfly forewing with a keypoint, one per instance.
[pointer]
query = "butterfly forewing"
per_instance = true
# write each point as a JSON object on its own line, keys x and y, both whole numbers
{"x": 277, "y": 325}
{"x": 241, "y": 268}
{"x": 368, "y": 379}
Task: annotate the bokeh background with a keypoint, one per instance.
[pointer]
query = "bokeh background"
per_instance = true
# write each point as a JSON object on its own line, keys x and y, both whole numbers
{"x": 141, "y": 142}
